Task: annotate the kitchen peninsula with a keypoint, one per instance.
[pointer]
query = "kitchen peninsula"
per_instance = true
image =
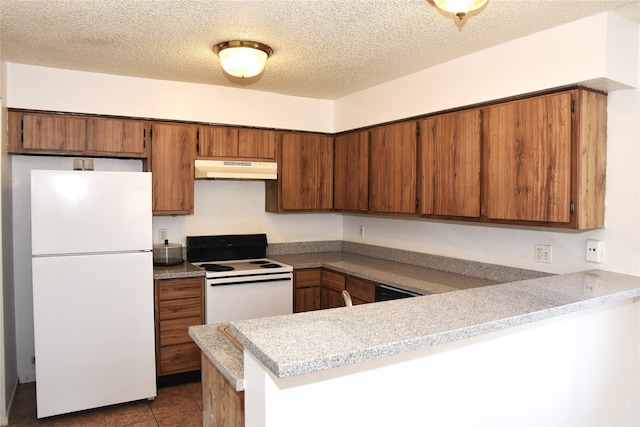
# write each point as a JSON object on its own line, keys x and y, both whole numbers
{"x": 550, "y": 350}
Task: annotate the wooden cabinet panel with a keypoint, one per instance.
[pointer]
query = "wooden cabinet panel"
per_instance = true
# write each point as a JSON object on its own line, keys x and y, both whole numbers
{"x": 177, "y": 308}
{"x": 172, "y": 157}
{"x": 178, "y": 358}
{"x": 115, "y": 136}
{"x": 330, "y": 298}
{"x": 218, "y": 141}
{"x": 226, "y": 142}
{"x": 450, "y": 164}
{"x": 170, "y": 289}
{"x": 351, "y": 172}
{"x": 306, "y": 296}
{"x": 332, "y": 280}
{"x": 179, "y": 303}
{"x": 305, "y": 174}
{"x": 392, "y": 172}
{"x": 528, "y": 159}
{"x": 222, "y": 404}
{"x": 360, "y": 289}
{"x": 331, "y": 291}
{"x": 54, "y": 132}
{"x": 256, "y": 144}
{"x": 176, "y": 331}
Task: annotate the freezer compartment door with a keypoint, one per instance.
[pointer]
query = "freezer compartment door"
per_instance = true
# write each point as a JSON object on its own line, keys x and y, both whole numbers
{"x": 94, "y": 331}
{"x": 90, "y": 211}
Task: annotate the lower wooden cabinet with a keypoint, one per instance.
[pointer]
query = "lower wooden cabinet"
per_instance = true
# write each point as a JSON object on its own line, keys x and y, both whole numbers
{"x": 179, "y": 303}
{"x": 362, "y": 291}
{"x": 306, "y": 290}
{"x": 331, "y": 290}
{"x": 222, "y": 404}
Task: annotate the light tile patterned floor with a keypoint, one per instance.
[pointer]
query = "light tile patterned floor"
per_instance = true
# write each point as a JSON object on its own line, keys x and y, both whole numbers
{"x": 179, "y": 405}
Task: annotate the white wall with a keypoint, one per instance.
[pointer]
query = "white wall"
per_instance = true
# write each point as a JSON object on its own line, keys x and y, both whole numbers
{"x": 577, "y": 369}
{"x": 229, "y": 207}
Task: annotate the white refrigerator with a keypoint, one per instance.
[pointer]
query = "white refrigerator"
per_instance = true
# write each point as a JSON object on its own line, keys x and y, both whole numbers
{"x": 92, "y": 266}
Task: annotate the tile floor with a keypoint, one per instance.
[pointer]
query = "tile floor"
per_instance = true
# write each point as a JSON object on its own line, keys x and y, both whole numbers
{"x": 179, "y": 405}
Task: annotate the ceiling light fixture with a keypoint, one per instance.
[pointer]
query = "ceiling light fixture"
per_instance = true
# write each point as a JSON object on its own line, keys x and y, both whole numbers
{"x": 459, "y": 7}
{"x": 243, "y": 58}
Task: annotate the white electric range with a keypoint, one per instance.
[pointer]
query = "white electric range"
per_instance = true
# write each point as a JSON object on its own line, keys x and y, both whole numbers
{"x": 241, "y": 283}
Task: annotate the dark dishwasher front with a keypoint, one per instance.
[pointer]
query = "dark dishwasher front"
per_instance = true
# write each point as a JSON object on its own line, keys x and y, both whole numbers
{"x": 386, "y": 293}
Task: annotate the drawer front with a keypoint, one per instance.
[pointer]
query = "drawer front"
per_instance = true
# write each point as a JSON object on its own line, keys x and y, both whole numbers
{"x": 176, "y": 331}
{"x": 306, "y": 278}
{"x": 364, "y": 290}
{"x": 174, "y": 309}
{"x": 333, "y": 280}
{"x": 179, "y": 358}
{"x": 180, "y": 288}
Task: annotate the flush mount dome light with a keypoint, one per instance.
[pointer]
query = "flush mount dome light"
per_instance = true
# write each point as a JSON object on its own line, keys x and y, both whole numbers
{"x": 243, "y": 58}
{"x": 459, "y": 7}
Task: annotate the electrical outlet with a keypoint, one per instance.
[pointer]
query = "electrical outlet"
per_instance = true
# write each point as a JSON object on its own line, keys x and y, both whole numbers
{"x": 362, "y": 231}
{"x": 543, "y": 254}
{"x": 163, "y": 234}
{"x": 594, "y": 251}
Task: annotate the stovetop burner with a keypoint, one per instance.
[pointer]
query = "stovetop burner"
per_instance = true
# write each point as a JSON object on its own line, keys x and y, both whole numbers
{"x": 270, "y": 265}
{"x": 216, "y": 267}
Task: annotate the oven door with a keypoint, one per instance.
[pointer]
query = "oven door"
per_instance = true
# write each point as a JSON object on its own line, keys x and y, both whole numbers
{"x": 247, "y": 297}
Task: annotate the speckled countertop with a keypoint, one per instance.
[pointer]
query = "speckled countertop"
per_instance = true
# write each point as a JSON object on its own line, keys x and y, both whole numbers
{"x": 414, "y": 278}
{"x": 186, "y": 269}
{"x": 307, "y": 342}
{"x": 224, "y": 356}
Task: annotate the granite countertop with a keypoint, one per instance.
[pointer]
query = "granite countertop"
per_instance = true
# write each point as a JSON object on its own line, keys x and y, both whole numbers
{"x": 186, "y": 269}
{"x": 413, "y": 278}
{"x": 227, "y": 358}
{"x": 301, "y": 343}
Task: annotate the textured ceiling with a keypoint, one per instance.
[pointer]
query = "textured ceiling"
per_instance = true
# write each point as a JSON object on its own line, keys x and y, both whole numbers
{"x": 322, "y": 48}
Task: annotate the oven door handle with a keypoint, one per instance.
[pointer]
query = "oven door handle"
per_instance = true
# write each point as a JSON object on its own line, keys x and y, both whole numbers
{"x": 240, "y": 280}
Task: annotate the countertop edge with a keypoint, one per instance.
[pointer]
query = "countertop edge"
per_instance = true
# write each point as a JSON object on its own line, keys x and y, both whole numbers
{"x": 207, "y": 338}
{"x": 254, "y": 334}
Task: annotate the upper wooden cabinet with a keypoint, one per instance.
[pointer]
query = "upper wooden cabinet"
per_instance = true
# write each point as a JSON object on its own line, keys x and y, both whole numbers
{"x": 305, "y": 174}
{"x": 173, "y": 148}
{"x": 351, "y": 172}
{"x": 544, "y": 160}
{"x": 392, "y": 171}
{"x": 450, "y": 157}
{"x": 225, "y": 142}
{"x": 64, "y": 134}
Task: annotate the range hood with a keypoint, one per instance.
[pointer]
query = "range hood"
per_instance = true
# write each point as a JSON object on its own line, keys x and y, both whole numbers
{"x": 230, "y": 169}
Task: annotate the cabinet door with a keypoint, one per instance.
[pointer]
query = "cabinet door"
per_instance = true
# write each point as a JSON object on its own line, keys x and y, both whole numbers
{"x": 351, "y": 172}
{"x": 52, "y": 132}
{"x": 115, "y": 136}
{"x": 331, "y": 291}
{"x": 450, "y": 164}
{"x": 392, "y": 172}
{"x": 218, "y": 141}
{"x": 361, "y": 290}
{"x": 256, "y": 144}
{"x": 528, "y": 159}
{"x": 306, "y": 285}
{"x": 172, "y": 156}
{"x": 306, "y": 172}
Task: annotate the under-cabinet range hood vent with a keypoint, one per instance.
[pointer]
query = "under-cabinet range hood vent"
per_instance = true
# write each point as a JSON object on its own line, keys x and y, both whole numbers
{"x": 230, "y": 169}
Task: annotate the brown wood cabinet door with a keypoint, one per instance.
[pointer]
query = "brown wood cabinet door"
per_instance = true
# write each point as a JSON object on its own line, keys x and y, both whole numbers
{"x": 51, "y": 132}
{"x": 392, "y": 171}
{"x": 218, "y": 141}
{"x": 306, "y": 172}
{"x": 351, "y": 172}
{"x": 306, "y": 285}
{"x": 450, "y": 164}
{"x": 360, "y": 289}
{"x": 528, "y": 159}
{"x": 115, "y": 136}
{"x": 172, "y": 156}
{"x": 256, "y": 144}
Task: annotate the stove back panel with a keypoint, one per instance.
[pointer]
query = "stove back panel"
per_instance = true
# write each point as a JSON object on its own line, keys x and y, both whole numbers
{"x": 226, "y": 247}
